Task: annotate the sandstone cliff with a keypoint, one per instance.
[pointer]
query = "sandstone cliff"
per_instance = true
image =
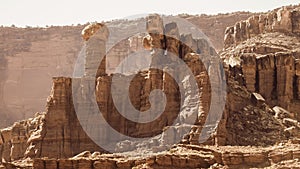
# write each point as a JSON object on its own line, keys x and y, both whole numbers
{"x": 259, "y": 127}
{"x": 31, "y": 56}
{"x": 263, "y": 56}
{"x": 60, "y": 135}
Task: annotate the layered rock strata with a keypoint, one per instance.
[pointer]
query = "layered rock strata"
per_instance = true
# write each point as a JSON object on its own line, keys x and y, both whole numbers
{"x": 285, "y": 20}
{"x": 259, "y": 75}
{"x": 264, "y": 56}
{"x": 180, "y": 156}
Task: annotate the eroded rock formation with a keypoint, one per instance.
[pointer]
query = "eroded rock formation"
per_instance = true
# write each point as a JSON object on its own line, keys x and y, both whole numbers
{"x": 14, "y": 140}
{"x": 266, "y": 61}
{"x": 259, "y": 125}
{"x": 30, "y": 57}
{"x": 185, "y": 156}
{"x": 285, "y": 20}
{"x": 60, "y": 135}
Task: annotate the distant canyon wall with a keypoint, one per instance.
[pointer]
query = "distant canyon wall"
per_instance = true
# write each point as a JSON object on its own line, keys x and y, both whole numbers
{"x": 30, "y": 57}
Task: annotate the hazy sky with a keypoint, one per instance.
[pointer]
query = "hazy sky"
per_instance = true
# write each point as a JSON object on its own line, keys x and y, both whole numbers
{"x": 67, "y": 12}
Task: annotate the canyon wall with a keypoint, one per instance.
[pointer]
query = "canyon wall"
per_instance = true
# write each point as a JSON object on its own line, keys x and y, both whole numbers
{"x": 215, "y": 25}
{"x": 284, "y": 20}
{"x": 59, "y": 134}
{"x": 30, "y": 57}
{"x": 259, "y": 125}
{"x": 264, "y": 55}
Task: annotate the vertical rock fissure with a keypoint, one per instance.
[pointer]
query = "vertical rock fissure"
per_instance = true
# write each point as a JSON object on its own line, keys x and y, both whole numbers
{"x": 295, "y": 88}
{"x": 274, "y": 91}
{"x": 1, "y": 147}
{"x": 63, "y": 140}
{"x": 257, "y": 79}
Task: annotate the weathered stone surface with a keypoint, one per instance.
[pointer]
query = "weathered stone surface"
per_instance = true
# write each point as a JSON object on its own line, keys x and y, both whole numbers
{"x": 249, "y": 71}
{"x": 257, "y": 99}
{"x": 290, "y": 122}
{"x": 212, "y": 26}
{"x": 297, "y": 73}
{"x": 247, "y": 119}
{"x": 50, "y": 163}
{"x": 64, "y": 163}
{"x": 296, "y": 20}
{"x": 187, "y": 156}
{"x": 164, "y": 160}
{"x": 283, "y": 20}
{"x": 104, "y": 164}
{"x": 285, "y": 76}
{"x": 275, "y": 48}
{"x": 26, "y": 65}
{"x": 61, "y": 135}
{"x": 266, "y": 75}
{"x": 39, "y": 163}
{"x": 172, "y": 39}
{"x": 95, "y": 30}
{"x": 189, "y": 44}
{"x": 14, "y": 139}
{"x": 155, "y": 28}
{"x": 96, "y": 36}
{"x": 281, "y": 113}
{"x": 276, "y": 78}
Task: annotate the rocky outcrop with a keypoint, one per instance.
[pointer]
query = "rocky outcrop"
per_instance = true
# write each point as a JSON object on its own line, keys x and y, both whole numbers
{"x": 262, "y": 56}
{"x": 14, "y": 140}
{"x": 61, "y": 135}
{"x": 273, "y": 75}
{"x": 285, "y": 20}
{"x": 185, "y": 156}
{"x": 144, "y": 82}
{"x": 265, "y": 55}
{"x": 180, "y": 156}
{"x": 249, "y": 120}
